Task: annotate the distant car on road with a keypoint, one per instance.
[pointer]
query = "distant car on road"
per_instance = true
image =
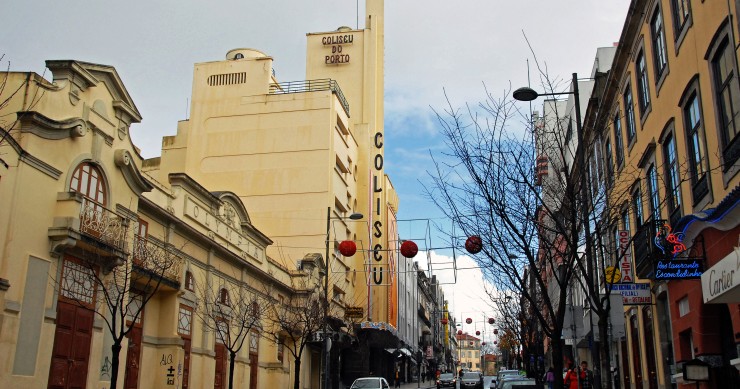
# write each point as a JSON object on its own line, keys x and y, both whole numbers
{"x": 446, "y": 380}
{"x": 370, "y": 383}
{"x": 471, "y": 379}
{"x": 514, "y": 383}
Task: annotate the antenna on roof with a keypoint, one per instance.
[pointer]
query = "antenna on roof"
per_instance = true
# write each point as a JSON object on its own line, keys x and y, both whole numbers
{"x": 187, "y": 106}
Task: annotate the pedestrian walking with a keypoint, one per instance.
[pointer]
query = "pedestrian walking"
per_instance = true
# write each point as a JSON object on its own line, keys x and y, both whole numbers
{"x": 571, "y": 378}
{"x": 398, "y": 379}
{"x": 587, "y": 377}
{"x": 549, "y": 378}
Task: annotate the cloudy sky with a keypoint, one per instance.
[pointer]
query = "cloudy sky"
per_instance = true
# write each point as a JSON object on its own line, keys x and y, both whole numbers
{"x": 431, "y": 45}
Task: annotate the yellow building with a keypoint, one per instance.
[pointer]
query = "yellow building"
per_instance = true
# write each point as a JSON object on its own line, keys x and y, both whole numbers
{"x": 469, "y": 350}
{"x": 79, "y": 214}
{"x": 303, "y": 156}
{"x": 667, "y": 122}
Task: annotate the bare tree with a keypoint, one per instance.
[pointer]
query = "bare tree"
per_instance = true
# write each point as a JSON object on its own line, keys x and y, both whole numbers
{"x": 488, "y": 185}
{"x": 231, "y": 309}
{"x": 299, "y": 318}
{"x": 111, "y": 284}
{"x": 30, "y": 89}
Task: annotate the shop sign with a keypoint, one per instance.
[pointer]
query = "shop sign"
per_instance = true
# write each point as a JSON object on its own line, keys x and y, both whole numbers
{"x": 625, "y": 262}
{"x": 721, "y": 283}
{"x": 354, "y": 312}
{"x": 678, "y": 269}
{"x": 634, "y": 294}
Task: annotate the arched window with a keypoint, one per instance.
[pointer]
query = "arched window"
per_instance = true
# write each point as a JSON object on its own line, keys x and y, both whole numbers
{"x": 88, "y": 180}
{"x": 223, "y": 297}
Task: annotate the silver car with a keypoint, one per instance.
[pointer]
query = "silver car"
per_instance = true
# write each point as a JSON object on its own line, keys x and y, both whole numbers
{"x": 471, "y": 379}
{"x": 514, "y": 382}
{"x": 370, "y": 383}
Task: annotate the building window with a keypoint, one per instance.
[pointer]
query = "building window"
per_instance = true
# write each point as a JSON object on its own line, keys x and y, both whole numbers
{"x": 254, "y": 338}
{"x": 681, "y": 14}
{"x": 643, "y": 90}
{"x": 697, "y": 148}
{"x": 652, "y": 190}
{"x": 189, "y": 281}
{"x": 223, "y": 297}
{"x": 672, "y": 181}
{"x": 683, "y": 307}
{"x": 618, "y": 149}
{"x": 727, "y": 99}
{"x": 608, "y": 162}
{"x": 629, "y": 115}
{"x": 625, "y": 219}
{"x": 185, "y": 320}
{"x": 88, "y": 181}
{"x": 280, "y": 348}
{"x": 658, "y": 37}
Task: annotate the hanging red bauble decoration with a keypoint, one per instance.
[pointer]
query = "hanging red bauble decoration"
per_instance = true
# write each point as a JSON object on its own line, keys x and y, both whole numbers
{"x": 468, "y": 320}
{"x": 444, "y": 321}
{"x": 474, "y": 244}
{"x": 477, "y": 333}
{"x": 459, "y": 332}
{"x": 483, "y": 344}
{"x": 495, "y": 332}
{"x": 491, "y": 320}
{"x": 409, "y": 249}
{"x": 348, "y": 248}
{"x": 495, "y": 342}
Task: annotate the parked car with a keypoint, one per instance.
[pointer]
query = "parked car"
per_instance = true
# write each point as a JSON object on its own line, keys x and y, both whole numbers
{"x": 471, "y": 379}
{"x": 370, "y": 383}
{"x": 446, "y": 380}
{"x": 515, "y": 383}
{"x": 503, "y": 374}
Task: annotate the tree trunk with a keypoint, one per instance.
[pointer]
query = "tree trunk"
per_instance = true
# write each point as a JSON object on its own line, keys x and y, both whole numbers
{"x": 232, "y": 357}
{"x": 606, "y": 373}
{"x": 557, "y": 361}
{"x": 297, "y": 377}
{"x": 116, "y": 351}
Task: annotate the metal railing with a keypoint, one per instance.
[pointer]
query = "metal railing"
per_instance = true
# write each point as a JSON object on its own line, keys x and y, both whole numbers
{"x": 323, "y": 84}
{"x": 102, "y": 224}
{"x": 156, "y": 259}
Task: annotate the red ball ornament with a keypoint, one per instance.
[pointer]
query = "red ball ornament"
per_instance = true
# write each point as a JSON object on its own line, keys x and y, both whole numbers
{"x": 474, "y": 244}
{"x": 495, "y": 332}
{"x": 444, "y": 321}
{"x": 409, "y": 249}
{"x": 459, "y": 332}
{"x": 477, "y": 333}
{"x": 348, "y": 248}
{"x": 468, "y": 320}
{"x": 483, "y": 344}
{"x": 495, "y": 342}
{"x": 491, "y": 320}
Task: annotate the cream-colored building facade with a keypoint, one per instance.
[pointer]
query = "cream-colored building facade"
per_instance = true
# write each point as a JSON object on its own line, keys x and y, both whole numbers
{"x": 246, "y": 189}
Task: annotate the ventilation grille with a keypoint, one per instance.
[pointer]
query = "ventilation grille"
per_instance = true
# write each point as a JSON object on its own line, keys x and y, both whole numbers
{"x": 227, "y": 79}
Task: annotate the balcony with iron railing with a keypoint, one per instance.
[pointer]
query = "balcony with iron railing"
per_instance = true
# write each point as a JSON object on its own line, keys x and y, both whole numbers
{"x": 155, "y": 259}
{"x": 80, "y": 223}
{"x": 324, "y": 84}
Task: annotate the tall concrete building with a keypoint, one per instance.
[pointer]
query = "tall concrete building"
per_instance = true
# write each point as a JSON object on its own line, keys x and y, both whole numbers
{"x": 303, "y": 156}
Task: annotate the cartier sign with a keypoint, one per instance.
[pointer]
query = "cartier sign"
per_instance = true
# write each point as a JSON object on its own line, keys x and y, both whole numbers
{"x": 721, "y": 283}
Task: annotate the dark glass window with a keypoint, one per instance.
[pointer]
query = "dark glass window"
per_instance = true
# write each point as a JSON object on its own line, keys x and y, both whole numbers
{"x": 643, "y": 90}
{"x": 637, "y": 206}
{"x": 672, "y": 183}
{"x": 697, "y": 147}
{"x": 652, "y": 189}
{"x": 681, "y": 13}
{"x": 618, "y": 148}
{"x": 727, "y": 98}
{"x": 629, "y": 115}
{"x": 658, "y": 37}
{"x": 608, "y": 162}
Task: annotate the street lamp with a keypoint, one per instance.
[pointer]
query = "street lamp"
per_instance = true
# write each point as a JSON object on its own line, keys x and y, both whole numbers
{"x": 327, "y": 341}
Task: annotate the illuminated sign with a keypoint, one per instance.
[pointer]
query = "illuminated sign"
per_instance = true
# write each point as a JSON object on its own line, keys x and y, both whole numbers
{"x": 354, "y": 312}
{"x": 671, "y": 244}
{"x": 678, "y": 269}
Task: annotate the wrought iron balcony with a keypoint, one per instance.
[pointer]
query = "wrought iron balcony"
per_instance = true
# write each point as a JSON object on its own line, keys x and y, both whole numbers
{"x": 102, "y": 224}
{"x": 157, "y": 260}
{"x": 323, "y": 84}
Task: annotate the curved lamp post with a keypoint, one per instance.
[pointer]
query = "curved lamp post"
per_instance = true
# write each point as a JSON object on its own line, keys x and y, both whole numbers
{"x": 327, "y": 341}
